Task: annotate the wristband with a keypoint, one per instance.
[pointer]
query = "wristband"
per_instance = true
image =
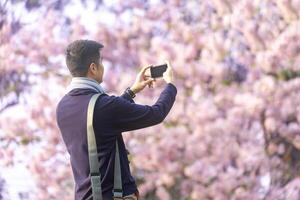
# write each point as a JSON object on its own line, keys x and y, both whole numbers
{"x": 130, "y": 92}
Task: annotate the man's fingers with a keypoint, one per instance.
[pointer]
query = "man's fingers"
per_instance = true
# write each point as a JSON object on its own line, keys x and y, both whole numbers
{"x": 145, "y": 68}
{"x": 149, "y": 80}
{"x": 168, "y": 64}
{"x": 166, "y": 61}
{"x": 150, "y": 83}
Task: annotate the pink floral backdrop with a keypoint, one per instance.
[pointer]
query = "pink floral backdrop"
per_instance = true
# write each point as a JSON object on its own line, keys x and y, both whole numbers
{"x": 234, "y": 130}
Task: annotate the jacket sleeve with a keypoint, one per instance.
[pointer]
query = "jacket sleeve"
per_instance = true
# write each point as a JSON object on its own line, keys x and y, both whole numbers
{"x": 127, "y": 116}
{"x": 127, "y": 97}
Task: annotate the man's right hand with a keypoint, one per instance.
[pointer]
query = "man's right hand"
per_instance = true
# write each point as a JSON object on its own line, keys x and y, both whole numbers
{"x": 168, "y": 74}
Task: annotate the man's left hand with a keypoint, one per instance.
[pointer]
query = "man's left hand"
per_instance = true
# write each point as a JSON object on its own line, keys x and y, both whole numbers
{"x": 142, "y": 80}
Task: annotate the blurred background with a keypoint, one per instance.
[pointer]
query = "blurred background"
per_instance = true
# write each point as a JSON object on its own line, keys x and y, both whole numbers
{"x": 233, "y": 133}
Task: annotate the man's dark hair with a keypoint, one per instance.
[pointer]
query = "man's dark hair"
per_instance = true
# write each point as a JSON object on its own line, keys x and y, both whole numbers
{"x": 80, "y": 54}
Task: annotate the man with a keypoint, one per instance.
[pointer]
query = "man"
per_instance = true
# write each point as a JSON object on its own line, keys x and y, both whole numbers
{"x": 112, "y": 116}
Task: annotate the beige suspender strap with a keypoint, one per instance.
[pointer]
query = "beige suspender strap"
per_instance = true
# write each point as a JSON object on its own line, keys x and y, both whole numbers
{"x": 118, "y": 190}
{"x": 92, "y": 149}
{"x": 93, "y": 158}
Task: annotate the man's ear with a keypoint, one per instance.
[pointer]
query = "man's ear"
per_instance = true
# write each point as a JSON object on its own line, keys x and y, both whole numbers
{"x": 93, "y": 68}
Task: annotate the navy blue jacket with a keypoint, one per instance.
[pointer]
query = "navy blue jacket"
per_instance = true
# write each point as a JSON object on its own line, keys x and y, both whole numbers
{"x": 112, "y": 116}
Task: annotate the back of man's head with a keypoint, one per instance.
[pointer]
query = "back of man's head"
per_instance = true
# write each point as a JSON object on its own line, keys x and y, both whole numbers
{"x": 80, "y": 54}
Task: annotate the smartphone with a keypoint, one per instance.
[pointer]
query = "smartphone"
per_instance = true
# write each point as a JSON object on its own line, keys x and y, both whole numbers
{"x": 157, "y": 71}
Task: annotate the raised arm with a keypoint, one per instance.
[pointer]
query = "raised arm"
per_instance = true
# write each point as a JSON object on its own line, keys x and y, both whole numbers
{"x": 129, "y": 116}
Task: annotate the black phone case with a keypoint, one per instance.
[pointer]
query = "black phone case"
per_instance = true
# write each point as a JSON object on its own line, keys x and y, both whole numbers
{"x": 157, "y": 71}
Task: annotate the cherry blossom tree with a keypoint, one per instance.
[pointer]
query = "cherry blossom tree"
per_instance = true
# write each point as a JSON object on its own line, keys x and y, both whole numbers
{"x": 233, "y": 132}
